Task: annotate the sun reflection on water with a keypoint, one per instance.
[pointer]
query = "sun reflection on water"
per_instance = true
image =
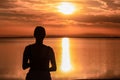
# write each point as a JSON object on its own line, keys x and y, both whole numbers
{"x": 66, "y": 62}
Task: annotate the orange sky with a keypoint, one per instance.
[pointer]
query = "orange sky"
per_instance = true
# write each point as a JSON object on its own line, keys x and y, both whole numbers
{"x": 20, "y": 17}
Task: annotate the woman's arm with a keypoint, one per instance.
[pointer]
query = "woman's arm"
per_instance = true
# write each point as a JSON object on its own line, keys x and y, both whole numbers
{"x": 25, "y": 63}
{"x": 52, "y": 60}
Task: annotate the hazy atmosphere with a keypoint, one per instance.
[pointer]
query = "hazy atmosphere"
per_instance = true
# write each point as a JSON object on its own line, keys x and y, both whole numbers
{"x": 68, "y": 24}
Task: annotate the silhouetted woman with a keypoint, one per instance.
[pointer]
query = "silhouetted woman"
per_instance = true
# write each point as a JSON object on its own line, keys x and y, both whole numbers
{"x": 37, "y": 57}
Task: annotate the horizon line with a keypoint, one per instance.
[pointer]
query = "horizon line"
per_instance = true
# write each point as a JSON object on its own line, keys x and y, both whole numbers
{"x": 61, "y": 37}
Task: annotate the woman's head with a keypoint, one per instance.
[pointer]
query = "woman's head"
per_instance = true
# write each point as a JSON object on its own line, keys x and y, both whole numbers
{"x": 39, "y": 32}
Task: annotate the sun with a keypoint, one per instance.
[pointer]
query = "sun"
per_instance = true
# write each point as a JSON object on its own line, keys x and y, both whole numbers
{"x": 66, "y": 8}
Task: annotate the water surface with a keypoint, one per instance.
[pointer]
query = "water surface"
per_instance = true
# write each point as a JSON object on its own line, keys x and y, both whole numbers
{"x": 90, "y": 57}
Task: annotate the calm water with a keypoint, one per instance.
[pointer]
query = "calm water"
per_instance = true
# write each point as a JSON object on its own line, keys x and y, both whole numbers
{"x": 89, "y": 58}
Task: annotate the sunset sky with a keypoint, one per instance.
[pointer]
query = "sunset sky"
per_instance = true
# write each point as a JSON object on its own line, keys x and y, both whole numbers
{"x": 20, "y": 17}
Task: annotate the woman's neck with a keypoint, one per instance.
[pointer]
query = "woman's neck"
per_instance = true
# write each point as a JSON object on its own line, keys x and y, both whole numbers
{"x": 39, "y": 41}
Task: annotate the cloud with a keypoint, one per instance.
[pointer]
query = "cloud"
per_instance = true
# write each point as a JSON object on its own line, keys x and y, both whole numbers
{"x": 15, "y": 16}
{"x": 97, "y": 18}
{"x": 6, "y": 4}
{"x": 37, "y": 10}
{"x": 112, "y": 4}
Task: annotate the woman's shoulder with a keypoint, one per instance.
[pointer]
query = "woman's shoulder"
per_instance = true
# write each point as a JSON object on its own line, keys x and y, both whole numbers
{"x": 30, "y": 45}
{"x": 47, "y": 46}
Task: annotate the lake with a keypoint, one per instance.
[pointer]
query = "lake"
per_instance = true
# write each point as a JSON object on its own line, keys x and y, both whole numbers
{"x": 88, "y": 58}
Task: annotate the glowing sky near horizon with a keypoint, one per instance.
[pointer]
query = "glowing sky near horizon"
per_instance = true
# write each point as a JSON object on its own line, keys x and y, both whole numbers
{"x": 96, "y": 17}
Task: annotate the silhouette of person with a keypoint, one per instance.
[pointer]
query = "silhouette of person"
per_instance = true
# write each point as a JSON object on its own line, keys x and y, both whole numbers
{"x": 37, "y": 57}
